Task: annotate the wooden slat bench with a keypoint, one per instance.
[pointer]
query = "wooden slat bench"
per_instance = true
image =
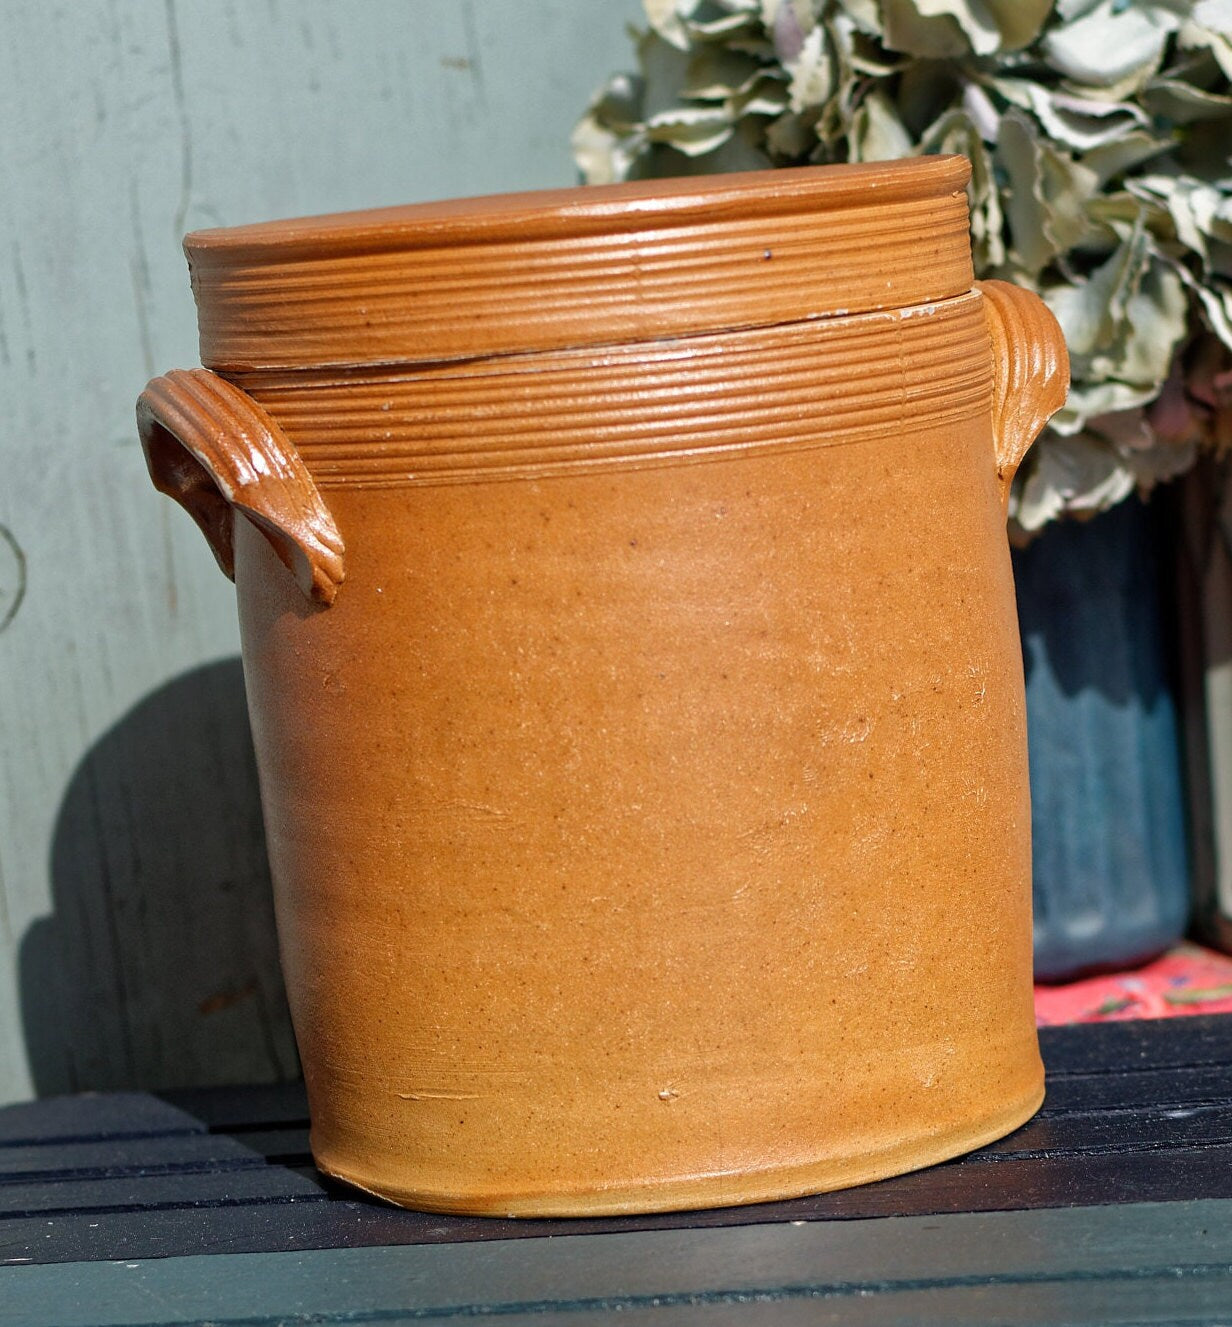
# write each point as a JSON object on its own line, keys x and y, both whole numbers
{"x": 1113, "y": 1205}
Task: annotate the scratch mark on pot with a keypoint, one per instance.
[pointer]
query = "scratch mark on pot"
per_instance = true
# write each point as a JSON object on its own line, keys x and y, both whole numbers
{"x": 472, "y": 811}
{"x": 763, "y": 837}
{"x": 12, "y": 577}
{"x": 439, "y": 1096}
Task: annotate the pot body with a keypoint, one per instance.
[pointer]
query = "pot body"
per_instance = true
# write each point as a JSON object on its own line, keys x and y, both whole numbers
{"x": 648, "y": 810}
{"x": 655, "y": 835}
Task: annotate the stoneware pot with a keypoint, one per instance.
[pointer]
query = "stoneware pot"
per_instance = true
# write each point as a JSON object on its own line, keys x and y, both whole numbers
{"x": 631, "y": 653}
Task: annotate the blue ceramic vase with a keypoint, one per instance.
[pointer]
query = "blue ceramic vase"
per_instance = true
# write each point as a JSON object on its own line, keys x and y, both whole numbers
{"x": 1107, "y": 819}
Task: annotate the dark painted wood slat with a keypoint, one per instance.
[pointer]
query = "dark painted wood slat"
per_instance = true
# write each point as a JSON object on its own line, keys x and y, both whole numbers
{"x": 113, "y": 1158}
{"x": 230, "y": 1108}
{"x": 179, "y": 1189}
{"x": 286, "y": 1146}
{"x": 1138, "y": 1263}
{"x": 1141, "y": 1130}
{"x": 1006, "y": 1186}
{"x": 255, "y": 1216}
{"x": 1089, "y": 1093}
{"x": 1103, "y": 1048}
{"x": 272, "y": 1227}
{"x": 93, "y": 1115}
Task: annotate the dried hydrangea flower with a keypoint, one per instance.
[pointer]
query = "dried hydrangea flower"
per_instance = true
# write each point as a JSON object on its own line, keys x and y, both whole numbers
{"x": 1099, "y": 133}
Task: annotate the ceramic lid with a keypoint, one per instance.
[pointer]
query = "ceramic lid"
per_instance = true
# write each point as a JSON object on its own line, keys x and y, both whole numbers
{"x": 587, "y": 266}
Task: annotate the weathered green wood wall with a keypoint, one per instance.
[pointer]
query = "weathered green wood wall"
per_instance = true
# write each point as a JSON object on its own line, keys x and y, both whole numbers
{"x": 136, "y": 945}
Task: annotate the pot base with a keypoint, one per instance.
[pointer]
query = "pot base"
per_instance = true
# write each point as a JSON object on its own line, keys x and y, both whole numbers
{"x": 720, "y": 1189}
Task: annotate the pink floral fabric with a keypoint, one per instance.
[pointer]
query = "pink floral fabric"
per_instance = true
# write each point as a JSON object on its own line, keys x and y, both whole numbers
{"x": 1185, "y": 980}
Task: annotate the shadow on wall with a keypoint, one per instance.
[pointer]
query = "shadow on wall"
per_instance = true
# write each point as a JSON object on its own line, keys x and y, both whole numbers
{"x": 159, "y": 965}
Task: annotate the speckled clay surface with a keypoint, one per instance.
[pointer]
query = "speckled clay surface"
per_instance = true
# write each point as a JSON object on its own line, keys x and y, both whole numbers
{"x": 635, "y": 680}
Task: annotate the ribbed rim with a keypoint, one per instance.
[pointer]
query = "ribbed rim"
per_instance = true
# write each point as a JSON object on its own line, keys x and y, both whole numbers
{"x": 586, "y": 266}
{"x": 593, "y": 209}
{"x": 690, "y": 399}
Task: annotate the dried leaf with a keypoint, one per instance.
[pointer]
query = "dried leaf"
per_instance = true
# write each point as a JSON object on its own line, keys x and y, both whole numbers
{"x": 877, "y": 134}
{"x": 1215, "y": 298}
{"x": 955, "y": 131}
{"x": 864, "y": 13}
{"x": 992, "y": 25}
{"x": 666, "y": 17}
{"x": 1195, "y": 208}
{"x": 767, "y": 96}
{"x": 791, "y": 137}
{"x": 1047, "y": 189}
{"x": 742, "y": 17}
{"x": 1077, "y": 474}
{"x": 1098, "y": 132}
{"x": 1078, "y": 123}
{"x": 1182, "y": 103}
{"x": 690, "y": 130}
{"x": 741, "y": 150}
{"x": 1156, "y": 324}
{"x": 602, "y": 156}
{"x": 1110, "y": 44}
{"x": 1210, "y": 28}
{"x": 1088, "y": 399}
{"x": 789, "y": 21}
{"x": 715, "y": 73}
{"x": 946, "y": 29}
{"x": 607, "y": 140}
{"x": 1111, "y": 160}
{"x": 1215, "y": 15}
{"x": 906, "y": 29}
{"x": 1072, "y": 9}
{"x": 664, "y": 71}
{"x": 812, "y": 72}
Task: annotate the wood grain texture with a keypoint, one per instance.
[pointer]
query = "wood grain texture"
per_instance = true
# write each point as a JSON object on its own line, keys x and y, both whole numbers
{"x": 136, "y": 944}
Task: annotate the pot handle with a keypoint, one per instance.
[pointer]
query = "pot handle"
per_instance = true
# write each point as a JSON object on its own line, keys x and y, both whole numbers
{"x": 216, "y": 451}
{"x": 1030, "y": 372}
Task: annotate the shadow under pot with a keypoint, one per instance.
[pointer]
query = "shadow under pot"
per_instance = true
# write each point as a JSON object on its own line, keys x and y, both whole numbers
{"x": 629, "y": 638}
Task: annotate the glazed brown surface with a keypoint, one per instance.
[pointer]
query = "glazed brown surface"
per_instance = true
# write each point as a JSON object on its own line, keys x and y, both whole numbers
{"x": 581, "y": 267}
{"x": 648, "y": 811}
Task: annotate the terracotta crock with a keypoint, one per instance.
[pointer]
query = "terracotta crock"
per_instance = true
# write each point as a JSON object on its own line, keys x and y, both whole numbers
{"x": 631, "y": 653}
